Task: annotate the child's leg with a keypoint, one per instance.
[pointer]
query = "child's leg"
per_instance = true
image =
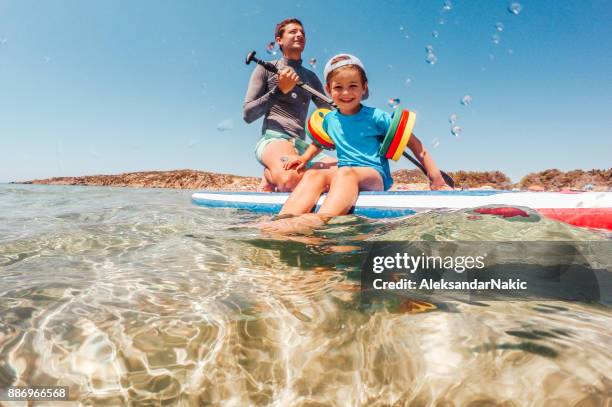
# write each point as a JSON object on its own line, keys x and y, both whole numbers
{"x": 307, "y": 192}
{"x": 345, "y": 187}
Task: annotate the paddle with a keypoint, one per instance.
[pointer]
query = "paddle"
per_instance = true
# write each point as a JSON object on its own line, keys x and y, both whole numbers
{"x": 269, "y": 67}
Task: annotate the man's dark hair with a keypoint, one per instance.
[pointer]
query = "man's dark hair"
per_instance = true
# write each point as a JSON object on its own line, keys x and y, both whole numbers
{"x": 280, "y": 27}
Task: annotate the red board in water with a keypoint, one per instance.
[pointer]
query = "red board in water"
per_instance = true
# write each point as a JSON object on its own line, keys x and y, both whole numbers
{"x": 504, "y": 211}
{"x": 600, "y": 218}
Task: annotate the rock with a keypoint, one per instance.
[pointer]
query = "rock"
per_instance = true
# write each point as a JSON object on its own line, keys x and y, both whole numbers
{"x": 178, "y": 179}
{"x": 555, "y": 180}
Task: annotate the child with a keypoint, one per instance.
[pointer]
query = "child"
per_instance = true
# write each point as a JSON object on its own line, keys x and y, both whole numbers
{"x": 356, "y": 132}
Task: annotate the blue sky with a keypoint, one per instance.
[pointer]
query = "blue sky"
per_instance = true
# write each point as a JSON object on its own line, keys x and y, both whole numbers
{"x": 112, "y": 86}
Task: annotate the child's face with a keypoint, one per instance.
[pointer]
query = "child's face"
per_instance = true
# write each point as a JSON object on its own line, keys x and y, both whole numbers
{"x": 347, "y": 90}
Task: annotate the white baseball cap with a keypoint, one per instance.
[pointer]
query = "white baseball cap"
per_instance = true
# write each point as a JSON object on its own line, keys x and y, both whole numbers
{"x": 340, "y": 60}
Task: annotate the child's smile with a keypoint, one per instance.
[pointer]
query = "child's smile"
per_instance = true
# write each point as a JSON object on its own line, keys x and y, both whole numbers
{"x": 347, "y": 90}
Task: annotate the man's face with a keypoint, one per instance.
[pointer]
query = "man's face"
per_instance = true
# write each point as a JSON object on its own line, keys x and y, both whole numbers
{"x": 293, "y": 38}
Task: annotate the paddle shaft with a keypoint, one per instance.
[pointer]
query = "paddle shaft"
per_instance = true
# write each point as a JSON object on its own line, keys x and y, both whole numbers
{"x": 268, "y": 66}
{"x": 447, "y": 178}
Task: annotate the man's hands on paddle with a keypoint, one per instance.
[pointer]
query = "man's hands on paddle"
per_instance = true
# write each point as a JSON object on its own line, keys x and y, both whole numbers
{"x": 287, "y": 79}
{"x": 295, "y": 162}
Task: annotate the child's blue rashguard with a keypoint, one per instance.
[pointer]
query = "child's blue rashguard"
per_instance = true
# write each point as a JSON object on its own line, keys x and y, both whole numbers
{"x": 357, "y": 138}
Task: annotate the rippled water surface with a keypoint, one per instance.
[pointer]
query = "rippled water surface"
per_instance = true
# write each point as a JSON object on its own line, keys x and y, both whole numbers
{"x": 138, "y": 296}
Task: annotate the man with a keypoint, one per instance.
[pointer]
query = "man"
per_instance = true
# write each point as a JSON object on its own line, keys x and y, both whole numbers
{"x": 284, "y": 107}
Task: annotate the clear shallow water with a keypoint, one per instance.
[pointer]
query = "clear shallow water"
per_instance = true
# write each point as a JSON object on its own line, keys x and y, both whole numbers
{"x": 133, "y": 294}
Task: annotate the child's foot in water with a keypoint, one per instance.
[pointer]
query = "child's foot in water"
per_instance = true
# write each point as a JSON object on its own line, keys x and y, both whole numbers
{"x": 303, "y": 224}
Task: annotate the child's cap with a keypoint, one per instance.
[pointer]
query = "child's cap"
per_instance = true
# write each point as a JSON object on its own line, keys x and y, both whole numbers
{"x": 341, "y": 60}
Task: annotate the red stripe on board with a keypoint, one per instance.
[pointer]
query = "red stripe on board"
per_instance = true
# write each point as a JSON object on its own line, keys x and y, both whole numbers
{"x": 600, "y": 218}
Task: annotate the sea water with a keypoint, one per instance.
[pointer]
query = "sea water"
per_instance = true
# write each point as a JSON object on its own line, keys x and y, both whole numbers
{"x": 138, "y": 296}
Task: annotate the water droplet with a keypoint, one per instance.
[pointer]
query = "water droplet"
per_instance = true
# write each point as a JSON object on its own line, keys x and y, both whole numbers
{"x": 390, "y": 66}
{"x": 589, "y": 187}
{"x": 312, "y": 62}
{"x": 225, "y": 125}
{"x": 452, "y": 119}
{"x": 429, "y": 49}
{"x": 435, "y": 142}
{"x": 435, "y": 34}
{"x": 447, "y": 5}
{"x": 510, "y": 51}
{"x": 401, "y": 28}
{"x": 456, "y": 131}
{"x": 284, "y": 159}
{"x": 407, "y": 36}
{"x": 47, "y": 60}
{"x": 3, "y": 41}
{"x": 499, "y": 27}
{"x": 495, "y": 38}
{"x": 466, "y": 100}
{"x": 491, "y": 57}
{"x": 515, "y": 8}
{"x": 293, "y": 95}
{"x": 271, "y": 48}
{"x": 441, "y": 21}
{"x": 408, "y": 81}
{"x": 393, "y": 102}
{"x": 431, "y": 58}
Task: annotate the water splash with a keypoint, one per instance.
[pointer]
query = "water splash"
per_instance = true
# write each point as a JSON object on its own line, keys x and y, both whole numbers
{"x": 515, "y": 8}
{"x": 225, "y": 125}
{"x": 271, "y": 48}
{"x": 393, "y": 103}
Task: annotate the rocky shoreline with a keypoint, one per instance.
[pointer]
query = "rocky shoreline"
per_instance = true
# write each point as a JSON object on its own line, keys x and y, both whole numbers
{"x": 548, "y": 180}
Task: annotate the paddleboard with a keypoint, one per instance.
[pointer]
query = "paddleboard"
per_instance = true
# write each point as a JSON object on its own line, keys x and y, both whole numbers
{"x": 587, "y": 209}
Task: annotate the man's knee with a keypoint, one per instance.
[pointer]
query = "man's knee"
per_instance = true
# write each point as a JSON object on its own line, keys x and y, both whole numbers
{"x": 285, "y": 181}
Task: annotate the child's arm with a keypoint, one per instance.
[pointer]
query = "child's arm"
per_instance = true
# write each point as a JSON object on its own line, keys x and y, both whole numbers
{"x": 433, "y": 172}
{"x": 299, "y": 162}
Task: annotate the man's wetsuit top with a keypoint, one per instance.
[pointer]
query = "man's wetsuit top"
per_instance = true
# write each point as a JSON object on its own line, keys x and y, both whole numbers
{"x": 283, "y": 112}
